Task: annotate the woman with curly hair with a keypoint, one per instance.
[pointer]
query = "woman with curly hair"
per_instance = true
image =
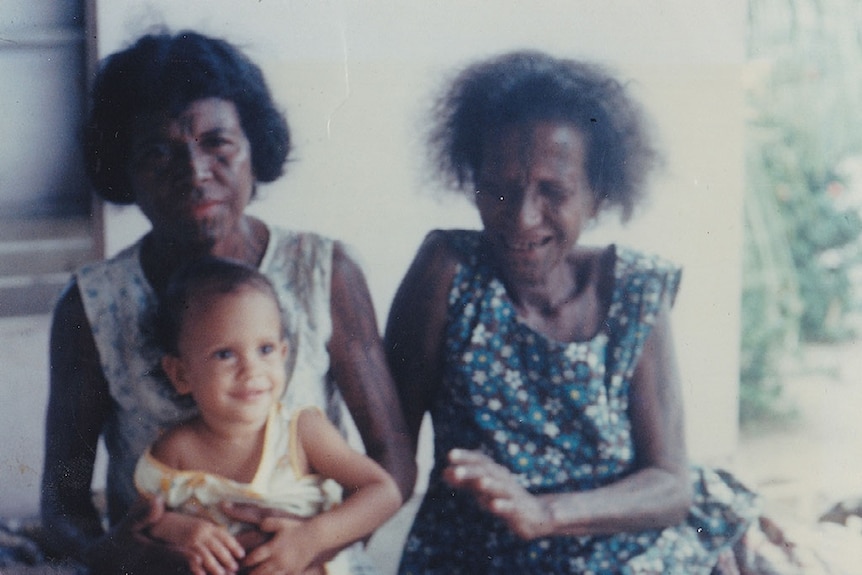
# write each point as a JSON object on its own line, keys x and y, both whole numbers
{"x": 547, "y": 366}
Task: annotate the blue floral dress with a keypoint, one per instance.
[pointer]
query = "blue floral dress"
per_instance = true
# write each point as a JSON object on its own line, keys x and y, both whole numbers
{"x": 556, "y": 414}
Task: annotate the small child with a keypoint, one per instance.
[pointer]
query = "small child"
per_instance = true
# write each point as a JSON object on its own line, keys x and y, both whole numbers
{"x": 221, "y": 326}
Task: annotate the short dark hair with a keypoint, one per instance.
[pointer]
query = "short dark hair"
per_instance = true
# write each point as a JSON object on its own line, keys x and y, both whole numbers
{"x": 165, "y": 73}
{"x": 199, "y": 279}
{"x": 527, "y": 87}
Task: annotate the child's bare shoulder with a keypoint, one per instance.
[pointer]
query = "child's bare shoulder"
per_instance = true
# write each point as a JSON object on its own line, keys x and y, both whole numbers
{"x": 172, "y": 444}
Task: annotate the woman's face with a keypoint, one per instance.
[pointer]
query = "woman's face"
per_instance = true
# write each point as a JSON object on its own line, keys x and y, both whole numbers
{"x": 191, "y": 174}
{"x": 534, "y": 197}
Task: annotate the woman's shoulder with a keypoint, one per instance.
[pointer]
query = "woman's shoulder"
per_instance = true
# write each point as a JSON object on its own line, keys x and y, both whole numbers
{"x": 637, "y": 260}
{"x": 105, "y": 282}
{"x": 299, "y": 259}
{"x": 440, "y": 253}
{"x": 284, "y": 241}
{"x": 425, "y": 288}
{"x": 451, "y": 246}
{"x": 113, "y": 287}
{"x": 129, "y": 253}
{"x": 637, "y": 271}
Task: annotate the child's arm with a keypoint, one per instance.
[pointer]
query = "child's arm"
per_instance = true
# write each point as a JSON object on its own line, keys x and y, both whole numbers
{"x": 211, "y": 549}
{"x": 373, "y": 498}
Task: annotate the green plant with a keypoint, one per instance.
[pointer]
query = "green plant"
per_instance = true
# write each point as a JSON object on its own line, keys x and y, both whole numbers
{"x": 800, "y": 239}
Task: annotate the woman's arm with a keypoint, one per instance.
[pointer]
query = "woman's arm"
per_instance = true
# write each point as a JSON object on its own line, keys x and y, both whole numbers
{"x": 77, "y": 407}
{"x": 416, "y": 327}
{"x": 374, "y": 498}
{"x": 657, "y": 495}
{"x": 359, "y": 367}
{"x": 78, "y": 404}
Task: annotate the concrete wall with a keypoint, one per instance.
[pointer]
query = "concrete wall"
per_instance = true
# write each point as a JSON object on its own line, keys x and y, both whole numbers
{"x": 41, "y": 63}
{"x": 356, "y": 79}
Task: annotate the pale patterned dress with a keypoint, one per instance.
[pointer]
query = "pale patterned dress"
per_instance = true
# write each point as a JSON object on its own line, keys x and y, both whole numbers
{"x": 120, "y": 304}
{"x": 555, "y": 414}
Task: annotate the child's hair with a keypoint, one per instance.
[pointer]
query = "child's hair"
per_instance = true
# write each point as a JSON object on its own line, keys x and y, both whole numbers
{"x": 203, "y": 278}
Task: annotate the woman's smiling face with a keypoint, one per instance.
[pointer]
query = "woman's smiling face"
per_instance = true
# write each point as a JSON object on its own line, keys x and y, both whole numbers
{"x": 192, "y": 174}
{"x": 534, "y": 197}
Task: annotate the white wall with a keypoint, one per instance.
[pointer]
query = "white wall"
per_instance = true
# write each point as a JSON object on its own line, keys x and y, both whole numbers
{"x": 41, "y": 63}
{"x": 356, "y": 78}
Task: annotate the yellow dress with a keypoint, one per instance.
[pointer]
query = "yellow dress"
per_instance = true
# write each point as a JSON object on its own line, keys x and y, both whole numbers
{"x": 275, "y": 485}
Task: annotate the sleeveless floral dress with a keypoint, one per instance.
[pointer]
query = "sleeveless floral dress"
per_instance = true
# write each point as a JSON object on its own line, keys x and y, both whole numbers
{"x": 556, "y": 414}
{"x": 120, "y": 306}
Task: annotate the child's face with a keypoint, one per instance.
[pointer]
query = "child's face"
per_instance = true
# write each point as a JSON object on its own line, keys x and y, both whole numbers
{"x": 231, "y": 356}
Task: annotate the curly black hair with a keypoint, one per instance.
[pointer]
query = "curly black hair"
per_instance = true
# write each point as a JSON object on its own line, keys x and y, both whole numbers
{"x": 526, "y": 87}
{"x": 162, "y": 72}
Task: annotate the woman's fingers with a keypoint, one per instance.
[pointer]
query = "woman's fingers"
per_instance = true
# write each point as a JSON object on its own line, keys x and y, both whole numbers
{"x": 244, "y": 512}
{"x": 466, "y": 467}
{"x": 468, "y": 456}
{"x": 143, "y": 513}
{"x": 497, "y": 491}
{"x": 258, "y": 556}
{"x": 252, "y": 538}
{"x": 478, "y": 472}
{"x": 253, "y": 514}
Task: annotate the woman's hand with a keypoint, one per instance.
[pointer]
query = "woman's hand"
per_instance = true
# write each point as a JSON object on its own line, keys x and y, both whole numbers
{"x": 128, "y": 547}
{"x": 255, "y": 515}
{"x": 288, "y": 552}
{"x": 498, "y": 492}
{"x": 267, "y": 522}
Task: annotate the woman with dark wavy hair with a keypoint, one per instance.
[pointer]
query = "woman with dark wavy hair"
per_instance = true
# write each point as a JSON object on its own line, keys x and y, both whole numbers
{"x": 184, "y": 127}
{"x": 547, "y": 366}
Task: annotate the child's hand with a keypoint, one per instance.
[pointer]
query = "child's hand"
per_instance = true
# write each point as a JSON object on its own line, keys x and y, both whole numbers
{"x": 210, "y": 548}
{"x": 290, "y": 551}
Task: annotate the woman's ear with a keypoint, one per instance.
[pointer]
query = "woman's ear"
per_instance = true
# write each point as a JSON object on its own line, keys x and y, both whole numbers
{"x": 283, "y": 348}
{"x": 173, "y": 367}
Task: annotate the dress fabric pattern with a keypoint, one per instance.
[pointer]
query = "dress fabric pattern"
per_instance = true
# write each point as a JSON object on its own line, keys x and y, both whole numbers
{"x": 120, "y": 304}
{"x": 556, "y": 414}
{"x": 276, "y": 484}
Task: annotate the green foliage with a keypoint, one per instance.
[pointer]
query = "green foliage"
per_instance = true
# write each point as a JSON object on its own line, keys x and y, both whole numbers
{"x": 800, "y": 234}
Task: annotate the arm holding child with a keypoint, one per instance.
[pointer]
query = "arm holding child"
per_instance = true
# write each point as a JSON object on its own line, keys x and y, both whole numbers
{"x": 373, "y": 497}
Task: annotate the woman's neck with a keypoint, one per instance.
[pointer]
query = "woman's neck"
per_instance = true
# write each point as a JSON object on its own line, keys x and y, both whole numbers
{"x": 548, "y": 296}
{"x": 161, "y": 256}
{"x": 247, "y": 244}
{"x": 571, "y": 304}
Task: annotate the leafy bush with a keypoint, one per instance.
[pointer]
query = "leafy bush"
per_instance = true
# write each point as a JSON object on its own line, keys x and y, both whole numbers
{"x": 801, "y": 235}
